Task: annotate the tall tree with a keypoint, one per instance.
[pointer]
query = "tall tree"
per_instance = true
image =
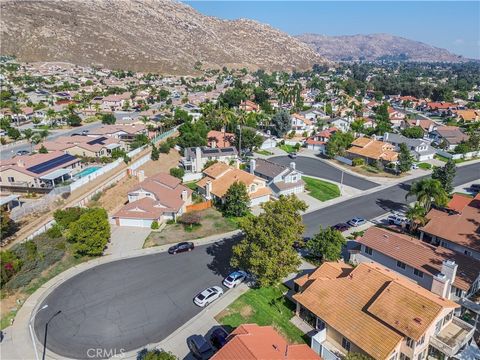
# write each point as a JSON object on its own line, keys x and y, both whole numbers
{"x": 428, "y": 192}
{"x": 236, "y": 200}
{"x": 281, "y": 123}
{"x": 90, "y": 233}
{"x": 266, "y": 251}
{"x": 338, "y": 143}
{"x": 155, "y": 153}
{"x": 405, "y": 158}
{"x": 417, "y": 216}
{"x": 445, "y": 175}
{"x": 108, "y": 119}
{"x": 327, "y": 244}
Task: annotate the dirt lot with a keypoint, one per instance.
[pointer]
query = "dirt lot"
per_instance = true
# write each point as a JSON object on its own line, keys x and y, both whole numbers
{"x": 115, "y": 197}
{"x": 212, "y": 223}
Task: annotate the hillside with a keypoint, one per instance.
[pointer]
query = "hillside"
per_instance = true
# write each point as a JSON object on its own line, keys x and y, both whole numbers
{"x": 144, "y": 35}
{"x": 376, "y": 47}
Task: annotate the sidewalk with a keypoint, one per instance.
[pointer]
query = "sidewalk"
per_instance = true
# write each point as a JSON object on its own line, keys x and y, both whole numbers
{"x": 18, "y": 344}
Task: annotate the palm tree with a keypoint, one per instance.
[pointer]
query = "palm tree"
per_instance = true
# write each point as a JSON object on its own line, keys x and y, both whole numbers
{"x": 417, "y": 216}
{"x": 428, "y": 191}
{"x": 27, "y": 134}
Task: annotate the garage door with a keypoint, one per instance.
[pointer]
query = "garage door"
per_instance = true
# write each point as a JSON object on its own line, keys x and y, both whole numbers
{"x": 259, "y": 200}
{"x": 135, "y": 222}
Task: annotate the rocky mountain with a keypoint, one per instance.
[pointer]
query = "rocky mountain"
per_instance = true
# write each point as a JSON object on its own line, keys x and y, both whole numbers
{"x": 376, "y": 47}
{"x": 144, "y": 35}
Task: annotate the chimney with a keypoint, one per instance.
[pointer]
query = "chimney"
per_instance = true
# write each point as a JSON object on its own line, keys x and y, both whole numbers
{"x": 184, "y": 195}
{"x": 253, "y": 164}
{"x": 141, "y": 175}
{"x": 449, "y": 269}
{"x": 198, "y": 159}
{"x": 21, "y": 163}
{"x": 292, "y": 166}
{"x": 440, "y": 285}
{"x": 417, "y": 122}
{"x": 208, "y": 190}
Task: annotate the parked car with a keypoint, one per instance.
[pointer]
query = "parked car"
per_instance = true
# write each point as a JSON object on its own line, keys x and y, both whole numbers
{"x": 208, "y": 296}
{"x": 475, "y": 187}
{"x": 200, "y": 347}
{"x": 218, "y": 337}
{"x": 292, "y": 155}
{"x": 414, "y": 166}
{"x": 22, "y": 152}
{"x": 341, "y": 227}
{"x": 234, "y": 279}
{"x": 357, "y": 221}
{"x": 395, "y": 219}
{"x": 85, "y": 132}
{"x": 181, "y": 247}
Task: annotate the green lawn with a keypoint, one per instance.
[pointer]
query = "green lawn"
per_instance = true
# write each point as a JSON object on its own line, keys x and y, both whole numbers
{"x": 321, "y": 190}
{"x": 263, "y": 306}
{"x": 263, "y": 152}
{"x": 441, "y": 158}
{"x": 288, "y": 148}
{"x": 425, "y": 166}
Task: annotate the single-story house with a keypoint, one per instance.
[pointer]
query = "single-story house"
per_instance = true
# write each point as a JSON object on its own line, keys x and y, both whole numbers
{"x": 372, "y": 150}
{"x": 450, "y": 135}
{"x": 79, "y": 145}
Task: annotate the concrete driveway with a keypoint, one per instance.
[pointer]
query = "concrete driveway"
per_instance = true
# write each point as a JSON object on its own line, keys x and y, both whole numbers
{"x": 321, "y": 169}
{"x": 125, "y": 239}
{"x": 126, "y": 304}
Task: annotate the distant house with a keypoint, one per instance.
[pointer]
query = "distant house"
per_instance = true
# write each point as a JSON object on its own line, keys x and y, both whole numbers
{"x": 79, "y": 145}
{"x": 457, "y": 227}
{"x": 372, "y": 150}
{"x": 219, "y": 177}
{"x": 340, "y": 123}
{"x": 319, "y": 141}
{"x": 301, "y": 124}
{"x": 282, "y": 180}
{"x": 249, "y": 106}
{"x": 427, "y": 125}
{"x": 116, "y": 102}
{"x": 440, "y": 107}
{"x": 419, "y": 148}
{"x": 449, "y": 135}
{"x": 254, "y": 342}
{"x": 220, "y": 139}
{"x": 38, "y": 170}
{"x": 396, "y": 117}
{"x": 467, "y": 115}
{"x": 159, "y": 198}
{"x": 438, "y": 269}
{"x": 125, "y": 133}
{"x": 195, "y": 158}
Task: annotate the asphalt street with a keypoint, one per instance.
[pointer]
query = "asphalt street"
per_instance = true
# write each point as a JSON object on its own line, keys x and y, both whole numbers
{"x": 370, "y": 206}
{"x": 321, "y": 169}
{"x": 127, "y": 304}
{"x": 130, "y": 303}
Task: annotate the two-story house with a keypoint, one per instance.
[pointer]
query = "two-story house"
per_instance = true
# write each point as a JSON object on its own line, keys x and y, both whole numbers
{"x": 420, "y": 149}
{"x": 319, "y": 141}
{"x": 301, "y": 124}
{"x": 375, "y": 312}
{"x": 456, "y": 227}
{"x": 372, "y": 150}
{"x": 220, "y": 176}
{"x": 195, "y": 158}
{"x": 282, "y": 180}
{"x": 448, "y": 136}
{"x": 159, "y": 198}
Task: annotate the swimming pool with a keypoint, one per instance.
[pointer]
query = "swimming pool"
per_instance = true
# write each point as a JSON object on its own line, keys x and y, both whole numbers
{"x": 87, "y": 171}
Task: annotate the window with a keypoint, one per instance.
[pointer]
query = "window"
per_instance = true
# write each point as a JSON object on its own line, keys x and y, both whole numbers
{"x": 438, "y": 326}
{"x": 458, "y": 292}
{"x": 346, "y": 344}
{"x": 393, "y": 357}
{"x": 320, "y": 324}
{"x": 418, "y": 273}
{"x": 404, "y": 357}
{"x": 421, "y": 355}
{"x": 11, "y": 179}
{"x": 401, "y": 265}
{"x": 410, "y": 342}
{"x": 421, "y": 341}
{"x": 468, "y": 252}
{"x": 368, "y": 250}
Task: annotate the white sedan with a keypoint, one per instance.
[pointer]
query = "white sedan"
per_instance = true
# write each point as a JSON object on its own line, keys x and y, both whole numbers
{"x": 208, "y": 295}
{"x": 234, "y": 279}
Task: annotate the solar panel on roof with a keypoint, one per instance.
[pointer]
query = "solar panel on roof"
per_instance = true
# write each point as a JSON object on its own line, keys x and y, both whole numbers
{"x": 226, "y": 150}
{"x": 99, "y": 140}
{"x": 50, "y": 164}
{"x": 210, "y": 151}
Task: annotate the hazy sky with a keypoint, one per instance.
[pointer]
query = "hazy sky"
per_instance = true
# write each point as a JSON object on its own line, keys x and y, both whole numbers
{"x": 453, "y": 25}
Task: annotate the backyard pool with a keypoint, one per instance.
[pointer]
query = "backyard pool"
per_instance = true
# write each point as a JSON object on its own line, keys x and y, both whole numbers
{"x": 86, "y": 172}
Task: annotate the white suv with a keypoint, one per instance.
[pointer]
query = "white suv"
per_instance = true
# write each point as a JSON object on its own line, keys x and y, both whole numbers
{"x": 397, "y": 220}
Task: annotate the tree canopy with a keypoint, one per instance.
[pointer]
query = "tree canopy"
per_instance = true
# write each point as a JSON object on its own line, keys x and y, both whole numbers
{"x": 445, "y": 175}
{"x": 281, "y": 123}
{"x": 428, "y": 191}
{"x": 108, "y": 119}
{"x": 90, "y": 233}
{"x": 327, "y": 244}
{"x": 266, "y": 251}
{"x": 236, "y": 200}
{"x": 405, "y": 159}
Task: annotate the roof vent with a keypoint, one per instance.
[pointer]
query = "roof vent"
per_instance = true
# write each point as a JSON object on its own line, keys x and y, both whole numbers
{"x": 417, "y": 320}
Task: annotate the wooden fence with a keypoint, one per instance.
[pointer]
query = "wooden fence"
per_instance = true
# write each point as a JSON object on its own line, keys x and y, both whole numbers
{"x": 200, "y": 206}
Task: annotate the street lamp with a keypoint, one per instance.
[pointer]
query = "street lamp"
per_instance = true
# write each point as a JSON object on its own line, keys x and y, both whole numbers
{"x": 239, "y": 127}
{"x": 46, "y": 330}
{"x": 31, "y": 330}
{"x": 341, "y": 184}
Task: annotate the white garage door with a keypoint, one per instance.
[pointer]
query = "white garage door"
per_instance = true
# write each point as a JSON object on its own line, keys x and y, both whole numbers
{"x": 259, "y": 200}
{"x": 135, "y": 222}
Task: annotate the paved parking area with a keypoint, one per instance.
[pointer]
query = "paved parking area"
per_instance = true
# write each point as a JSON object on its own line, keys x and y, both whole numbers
{"x": 124, "y": 239}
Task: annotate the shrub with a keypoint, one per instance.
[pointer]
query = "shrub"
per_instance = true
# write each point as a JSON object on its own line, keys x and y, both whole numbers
{"x": 65, "y": 217}
{"x": 190, "y": 220}
{"x": 164, "y": 148}
{"x": 10, "y": 265}
{"x": 170, "y": 222}
{"x": 55, "y": 231}
{"x": 90, "y": 233}
{"x": 358, "y": 162}
{"x": 177, "y": 172}
{"x": 154, "y": 225}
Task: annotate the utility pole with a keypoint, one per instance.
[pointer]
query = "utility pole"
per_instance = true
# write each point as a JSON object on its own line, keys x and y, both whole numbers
{"x": 239, "y": 127}
{"x": 341, "y": 184}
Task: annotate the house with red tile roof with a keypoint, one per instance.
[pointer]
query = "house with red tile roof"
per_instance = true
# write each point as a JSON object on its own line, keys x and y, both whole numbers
{"x": 318, "y": 141}
{"x": 220, "y": 139}
{"x": 79, "y": 145}
{"x": 457, "y": 227}
{"x": 249, "y": 106}
{"x": 160, "y": 198}
{"x": 301, "y": 124}
{"x": 254, "y": 342}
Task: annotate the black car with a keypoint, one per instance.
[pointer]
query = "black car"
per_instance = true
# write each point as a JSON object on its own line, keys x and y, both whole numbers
{"x": 199, "y": 347}
{"x": 341, "y": 227}
{"x": 218, "y": 337}
{"x": 181, "y": 247}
